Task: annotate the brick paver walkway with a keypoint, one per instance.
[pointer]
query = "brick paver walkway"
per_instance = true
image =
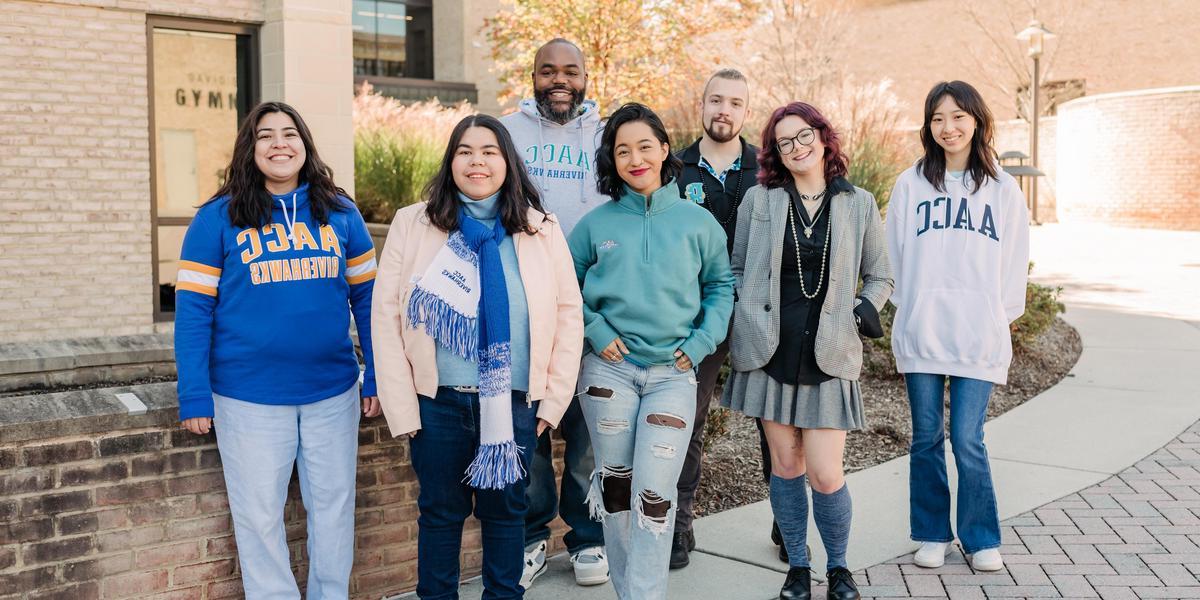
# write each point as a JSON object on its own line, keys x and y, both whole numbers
{"x": 1134, "y": 535}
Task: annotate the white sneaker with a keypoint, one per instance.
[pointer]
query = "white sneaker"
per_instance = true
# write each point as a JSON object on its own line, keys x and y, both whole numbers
{"x": 591, "y": 566}
{"x": 987, "y": 560}
{"x": 931, "y": 555}
{"x": 535, "y": 563}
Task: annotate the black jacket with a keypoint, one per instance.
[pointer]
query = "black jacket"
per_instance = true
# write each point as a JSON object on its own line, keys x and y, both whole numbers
{"x": 722, "y": 202}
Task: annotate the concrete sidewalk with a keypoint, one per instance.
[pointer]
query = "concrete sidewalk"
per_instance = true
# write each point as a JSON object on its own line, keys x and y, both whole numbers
{"x": 1132, "y": 296}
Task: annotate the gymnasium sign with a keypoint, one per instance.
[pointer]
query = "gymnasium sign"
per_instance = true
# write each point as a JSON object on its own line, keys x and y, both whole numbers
{"x": 203, "y": 91}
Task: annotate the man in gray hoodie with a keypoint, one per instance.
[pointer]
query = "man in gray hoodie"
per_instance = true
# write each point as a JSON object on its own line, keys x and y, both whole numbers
{"x": 557, "y": 133}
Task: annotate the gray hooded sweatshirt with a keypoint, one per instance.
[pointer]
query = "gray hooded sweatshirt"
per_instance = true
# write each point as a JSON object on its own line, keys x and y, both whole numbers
{"x": 560, "y": 159}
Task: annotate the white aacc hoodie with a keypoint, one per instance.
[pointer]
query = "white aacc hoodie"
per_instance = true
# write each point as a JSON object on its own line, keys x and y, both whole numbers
{"x": 560, "y": 159}
{"x": 960, "y": 260}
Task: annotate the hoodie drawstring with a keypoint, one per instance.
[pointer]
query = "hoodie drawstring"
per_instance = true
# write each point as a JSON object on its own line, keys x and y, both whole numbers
{"x": 583, "y": 192}
{"x": 541, "y": 152}
{"x": 290, "y": 223}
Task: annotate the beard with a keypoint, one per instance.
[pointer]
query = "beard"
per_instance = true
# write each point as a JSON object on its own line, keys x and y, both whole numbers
{"x": 721, "y": 137}
{"x": 546, "y": 107}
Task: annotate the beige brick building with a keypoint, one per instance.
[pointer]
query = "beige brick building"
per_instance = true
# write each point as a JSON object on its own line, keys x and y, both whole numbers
{"x": 117, "y": 118}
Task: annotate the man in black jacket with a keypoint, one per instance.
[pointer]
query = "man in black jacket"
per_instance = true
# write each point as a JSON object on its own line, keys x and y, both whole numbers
{"x": 718, "y": 168}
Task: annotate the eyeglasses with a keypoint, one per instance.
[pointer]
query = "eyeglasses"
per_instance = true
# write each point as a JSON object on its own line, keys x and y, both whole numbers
{"x": 804, "y": 137}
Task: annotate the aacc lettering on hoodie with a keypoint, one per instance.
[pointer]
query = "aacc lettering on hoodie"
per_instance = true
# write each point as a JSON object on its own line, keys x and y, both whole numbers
{"x": 936, "y": 214}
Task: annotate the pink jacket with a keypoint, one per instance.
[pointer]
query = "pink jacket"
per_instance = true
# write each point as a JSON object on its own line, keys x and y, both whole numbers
{"x": 406, "y": 359}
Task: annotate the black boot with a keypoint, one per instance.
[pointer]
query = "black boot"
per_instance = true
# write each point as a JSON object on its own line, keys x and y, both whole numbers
{"x": 841, "y": 585}
{"x": 777, "y": 539}
{"x": 682, "y": 543}
{"x": 797, "y": 585}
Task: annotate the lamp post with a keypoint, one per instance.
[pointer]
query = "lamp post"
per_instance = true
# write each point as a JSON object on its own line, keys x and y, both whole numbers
{"x": 1034, "y": 36}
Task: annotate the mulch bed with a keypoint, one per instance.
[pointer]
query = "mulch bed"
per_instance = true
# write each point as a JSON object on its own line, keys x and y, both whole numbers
{"x": 733, "y": 466}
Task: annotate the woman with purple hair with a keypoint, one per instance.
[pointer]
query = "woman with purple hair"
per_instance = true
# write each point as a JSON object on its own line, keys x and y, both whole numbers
{"x": 805, "y": 238}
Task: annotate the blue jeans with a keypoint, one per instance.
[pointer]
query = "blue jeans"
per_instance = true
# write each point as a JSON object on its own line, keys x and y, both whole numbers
{"x": 441, "y": 452}
{"x": 640, "y": 420}
{"x": 543, "y": 498}
{"x": 259, "y": 444}
{"x": 929, "y": 491}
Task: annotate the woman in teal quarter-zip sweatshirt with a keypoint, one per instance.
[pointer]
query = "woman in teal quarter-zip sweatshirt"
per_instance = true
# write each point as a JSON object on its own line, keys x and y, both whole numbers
{"x": 633, "y": 242}
{"x": 657, "y": 296}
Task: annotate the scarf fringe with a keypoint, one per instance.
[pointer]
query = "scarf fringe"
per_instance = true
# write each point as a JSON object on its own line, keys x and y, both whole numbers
{"x": 455, "y": 331}
{"x": 496, "y": 466}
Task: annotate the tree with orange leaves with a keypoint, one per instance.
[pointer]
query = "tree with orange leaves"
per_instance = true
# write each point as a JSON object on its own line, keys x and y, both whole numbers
{"x": 649, "y": 51}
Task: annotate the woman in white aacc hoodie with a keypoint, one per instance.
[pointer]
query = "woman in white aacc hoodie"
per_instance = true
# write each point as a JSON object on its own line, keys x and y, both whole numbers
{"x": 958, "y": 235}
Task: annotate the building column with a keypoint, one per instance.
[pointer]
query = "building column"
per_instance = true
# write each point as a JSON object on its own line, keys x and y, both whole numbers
{"x": 307, "y": 61}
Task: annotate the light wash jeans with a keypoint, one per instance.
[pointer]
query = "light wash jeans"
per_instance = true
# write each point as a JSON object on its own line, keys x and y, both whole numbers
{"x": 258, "y": 445}
{"x": 640, "y": 421}
{"x": 928, "y": 489}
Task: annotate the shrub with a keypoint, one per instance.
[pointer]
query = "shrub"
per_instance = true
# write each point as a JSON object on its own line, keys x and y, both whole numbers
{"x": 717, "y": 425}
{"x": 868, "y": 118}
{"x": 397, "y": 148}
{"x": 1041, "y": 307}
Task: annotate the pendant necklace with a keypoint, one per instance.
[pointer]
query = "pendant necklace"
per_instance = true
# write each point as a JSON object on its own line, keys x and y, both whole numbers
{"x": 800, "y": 265}
{"x": 808, "y": 227}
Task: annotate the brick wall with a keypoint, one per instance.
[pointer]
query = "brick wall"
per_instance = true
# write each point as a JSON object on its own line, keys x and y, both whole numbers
{"x": 74, "y": 173}
{"x": 141, "y": 512}
{"x": 1131, "y": 159}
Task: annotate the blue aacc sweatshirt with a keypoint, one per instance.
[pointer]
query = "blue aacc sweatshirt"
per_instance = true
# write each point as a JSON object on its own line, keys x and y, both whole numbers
{"x": 263, "y": 314}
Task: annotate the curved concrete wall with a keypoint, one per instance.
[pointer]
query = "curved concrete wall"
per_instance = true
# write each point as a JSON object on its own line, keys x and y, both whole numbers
{"x": 1131, "y": 159}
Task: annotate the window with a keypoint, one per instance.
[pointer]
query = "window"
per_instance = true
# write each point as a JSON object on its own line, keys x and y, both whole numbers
{"x": 393, "y": 38}
{"x": 201, "y": 85}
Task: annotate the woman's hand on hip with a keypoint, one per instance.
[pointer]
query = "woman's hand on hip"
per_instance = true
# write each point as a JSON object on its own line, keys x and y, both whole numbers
{"x": 682, "y": 362}
{"x": 615, "y": 352}
{"x": 371, "y": 407}
{"x": 198, "y": 425}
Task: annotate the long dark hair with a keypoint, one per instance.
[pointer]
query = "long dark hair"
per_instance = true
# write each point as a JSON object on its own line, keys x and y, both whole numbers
{"x": 249, "y": 201}
{"x": 517, "y": 194}
{"x": 771, "y": 171}
{"x": 981, "y": 162}
{"x": 608, "y": 179}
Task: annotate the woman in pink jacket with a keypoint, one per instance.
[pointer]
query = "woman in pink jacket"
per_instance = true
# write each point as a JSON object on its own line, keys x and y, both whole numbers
{"x": 478, "y": 332}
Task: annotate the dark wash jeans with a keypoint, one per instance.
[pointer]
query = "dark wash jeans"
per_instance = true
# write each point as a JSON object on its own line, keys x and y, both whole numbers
{"x": 928, "y": 488}
{"x": 441, "y": 452}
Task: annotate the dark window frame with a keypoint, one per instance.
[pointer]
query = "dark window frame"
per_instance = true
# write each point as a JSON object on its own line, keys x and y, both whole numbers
{"x": 248, "y": 34}
{"x": 408, "y": 4}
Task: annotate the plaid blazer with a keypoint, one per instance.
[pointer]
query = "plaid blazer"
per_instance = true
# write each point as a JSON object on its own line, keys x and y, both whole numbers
{"x": 858, "y": 250}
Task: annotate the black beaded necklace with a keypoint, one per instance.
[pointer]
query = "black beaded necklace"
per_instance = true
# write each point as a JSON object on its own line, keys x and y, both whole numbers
{"x": 737, "y": 199}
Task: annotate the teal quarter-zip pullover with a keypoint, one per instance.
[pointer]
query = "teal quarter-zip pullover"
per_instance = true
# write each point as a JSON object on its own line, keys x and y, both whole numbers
{"x": 654, "y": 272}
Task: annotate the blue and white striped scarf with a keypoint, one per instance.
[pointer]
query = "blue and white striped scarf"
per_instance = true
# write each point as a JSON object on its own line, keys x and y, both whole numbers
{"x": 462, "y": 301}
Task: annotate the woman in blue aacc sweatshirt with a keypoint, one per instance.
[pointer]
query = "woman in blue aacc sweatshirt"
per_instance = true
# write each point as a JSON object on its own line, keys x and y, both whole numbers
{"x": 958, "y": 236}
{"x": 271, "y": 268}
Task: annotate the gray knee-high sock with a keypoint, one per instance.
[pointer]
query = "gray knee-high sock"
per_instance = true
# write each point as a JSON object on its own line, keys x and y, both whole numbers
{"x": 832, "y": 513}
{"x": 789, "y": 502}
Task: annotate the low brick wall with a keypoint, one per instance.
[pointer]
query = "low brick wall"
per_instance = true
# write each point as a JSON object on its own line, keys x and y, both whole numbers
{"x": 96, "y": 503}
{"x": 1131, "y": 159}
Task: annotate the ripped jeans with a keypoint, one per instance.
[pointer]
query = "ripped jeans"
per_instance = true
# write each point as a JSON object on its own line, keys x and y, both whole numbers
{"x": 639, "y": 419}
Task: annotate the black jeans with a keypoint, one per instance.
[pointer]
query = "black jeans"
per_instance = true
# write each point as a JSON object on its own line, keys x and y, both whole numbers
{"x": 441, "y": 452}
{"x": 689, "y": 479}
